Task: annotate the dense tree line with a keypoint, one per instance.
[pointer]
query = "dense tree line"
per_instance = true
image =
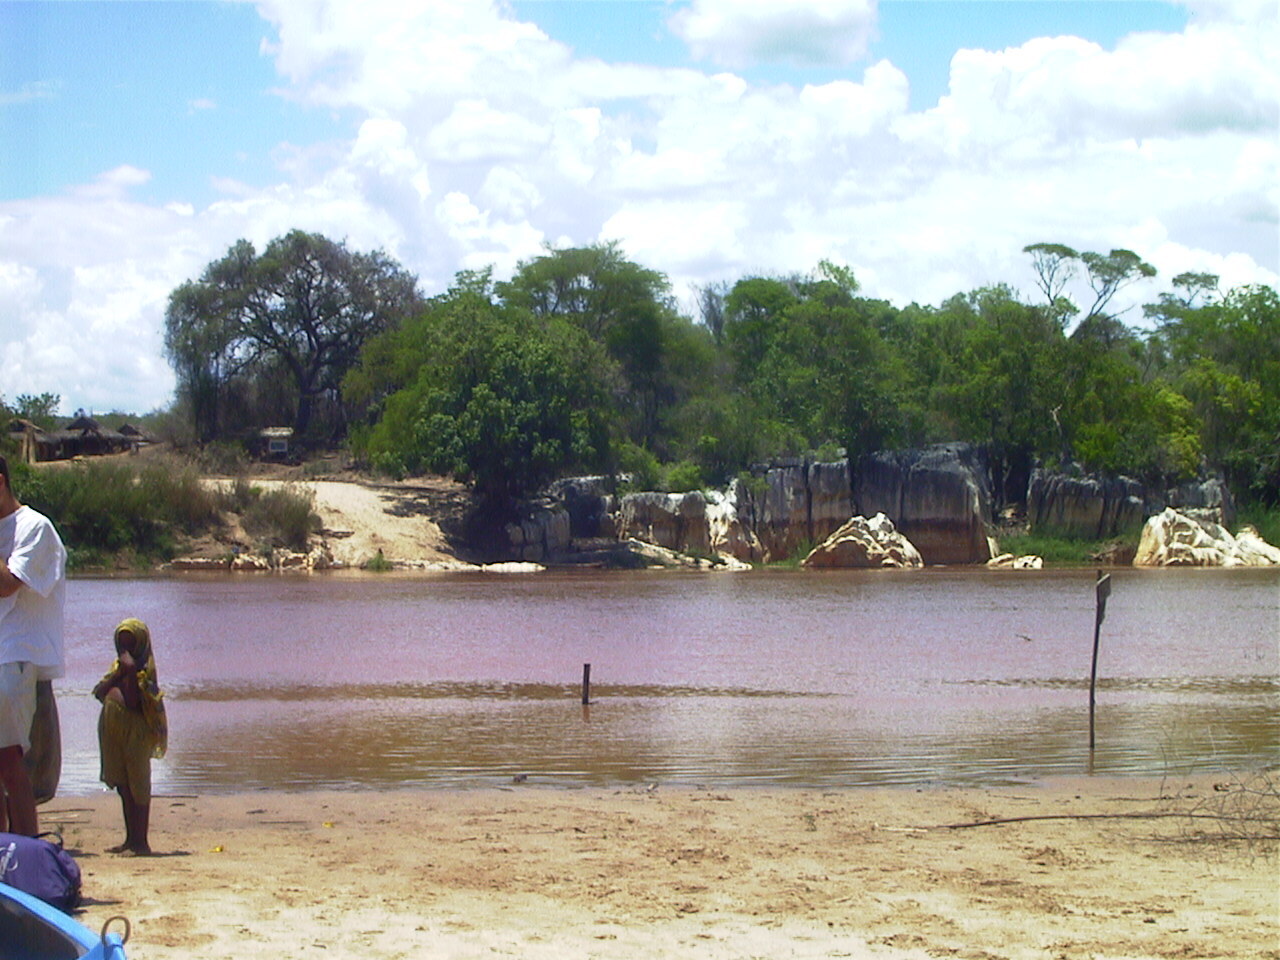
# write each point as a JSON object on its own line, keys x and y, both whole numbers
{"x": 583, "y": 361}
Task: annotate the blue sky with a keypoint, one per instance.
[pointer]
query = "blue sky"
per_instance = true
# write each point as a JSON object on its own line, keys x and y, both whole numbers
{"x": 178, "y": 88}
{"x": 922, "y": 143}
{"x": 182, "y": 88}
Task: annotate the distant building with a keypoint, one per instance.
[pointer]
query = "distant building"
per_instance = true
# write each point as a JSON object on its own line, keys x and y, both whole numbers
{"x": 272, "y": 443}
{"x": 82, "y": 437}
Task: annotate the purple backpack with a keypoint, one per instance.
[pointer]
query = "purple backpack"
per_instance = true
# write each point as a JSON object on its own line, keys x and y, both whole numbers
{"x": 40, "y": 868}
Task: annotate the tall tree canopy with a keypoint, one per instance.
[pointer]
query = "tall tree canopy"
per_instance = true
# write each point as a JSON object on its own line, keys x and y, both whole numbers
{"x": 298, "y": 313}
{"x": 626, "y": 308}
{"x": 486, "y": 393}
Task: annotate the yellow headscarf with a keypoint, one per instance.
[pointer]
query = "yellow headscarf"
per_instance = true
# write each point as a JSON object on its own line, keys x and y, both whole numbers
{"x": 148, "y": 683}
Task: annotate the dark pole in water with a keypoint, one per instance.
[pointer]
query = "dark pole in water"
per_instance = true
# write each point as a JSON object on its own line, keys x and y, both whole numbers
{"x": 586, "y": 684}
{"x": 1103, "y": 590}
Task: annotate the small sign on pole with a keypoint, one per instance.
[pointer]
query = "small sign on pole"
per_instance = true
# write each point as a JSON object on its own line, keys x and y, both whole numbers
{"x": 1103, "y": 590}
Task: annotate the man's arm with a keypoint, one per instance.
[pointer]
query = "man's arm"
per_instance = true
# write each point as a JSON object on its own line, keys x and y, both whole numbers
{"x": 9, "y": 583}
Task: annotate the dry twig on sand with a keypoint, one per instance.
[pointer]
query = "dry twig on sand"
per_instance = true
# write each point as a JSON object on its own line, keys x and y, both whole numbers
{"x": 1244, "y": 809}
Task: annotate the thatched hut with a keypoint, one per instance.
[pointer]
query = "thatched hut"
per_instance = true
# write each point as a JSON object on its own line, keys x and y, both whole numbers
{"x": 34, "y": 444}
{"x": 82, "y": 437}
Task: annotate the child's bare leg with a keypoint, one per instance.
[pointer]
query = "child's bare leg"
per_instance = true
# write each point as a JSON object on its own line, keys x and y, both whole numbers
{"x": 126, "y": 802}
{"x": 141, "y": 817}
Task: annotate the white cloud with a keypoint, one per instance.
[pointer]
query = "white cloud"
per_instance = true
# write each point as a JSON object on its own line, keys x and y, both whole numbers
{"x": 28, "y": 93}
{"x": 742, "y": 33}
{"x": 115, "y": 183}
{"x": 476, "y": 131}
{"x": 482, "y": 239}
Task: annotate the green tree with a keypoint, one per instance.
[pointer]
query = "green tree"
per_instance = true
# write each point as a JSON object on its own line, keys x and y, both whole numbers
{"x": 625, "y": 307}
{"x": 496, "y": 398}
{"x": 198, "y": 341}
{"x": 1055, "y": 266}
{"x": 1004, "y": 386}
{"x": 40, "y": 409}
{"x": 1110, "y": 273}
{"x": 1224, "y": 357}
{"x": 813, "y": 363}
{"x": 301, "y": 310}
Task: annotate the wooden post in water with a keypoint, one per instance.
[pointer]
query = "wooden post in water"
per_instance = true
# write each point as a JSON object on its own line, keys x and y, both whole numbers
{"x": 586, "y": 684}
{"x": 1102, "y": 591}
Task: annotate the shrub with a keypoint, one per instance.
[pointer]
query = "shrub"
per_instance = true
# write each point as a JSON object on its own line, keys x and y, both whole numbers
{"x": 282, "y": 515}
{"x": 110, "y": 507}
{"x": 683, "y": 477}
{"x": 641, "y": 465}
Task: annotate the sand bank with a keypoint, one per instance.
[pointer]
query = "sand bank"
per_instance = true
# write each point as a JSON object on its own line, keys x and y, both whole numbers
{"x": 538, "y": 872}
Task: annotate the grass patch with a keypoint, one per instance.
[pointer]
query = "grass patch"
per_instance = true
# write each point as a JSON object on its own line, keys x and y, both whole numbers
{"x": 1061, "y": 550}
{"x": 377, "y": 563}
{"x": 795, "y": 558}
{"x": 1266, "y": 520}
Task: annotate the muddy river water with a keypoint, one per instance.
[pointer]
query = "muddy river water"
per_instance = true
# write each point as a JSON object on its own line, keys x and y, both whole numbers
{"x": 769, "y": 677}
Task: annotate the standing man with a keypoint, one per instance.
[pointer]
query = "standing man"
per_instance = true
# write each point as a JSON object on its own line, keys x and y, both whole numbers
{"x": 33, "y": 580}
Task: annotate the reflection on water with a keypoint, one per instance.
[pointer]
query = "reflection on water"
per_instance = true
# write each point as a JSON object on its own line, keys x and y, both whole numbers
{"x": 767, "y": 677}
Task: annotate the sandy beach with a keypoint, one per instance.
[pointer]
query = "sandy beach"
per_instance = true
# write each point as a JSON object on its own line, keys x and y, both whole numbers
{"x": 1104, "y": 868}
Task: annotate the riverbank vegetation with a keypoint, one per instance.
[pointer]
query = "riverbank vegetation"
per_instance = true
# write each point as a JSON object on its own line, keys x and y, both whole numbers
{"x": 125, "y": 513}
{"x": 584, "y": 361}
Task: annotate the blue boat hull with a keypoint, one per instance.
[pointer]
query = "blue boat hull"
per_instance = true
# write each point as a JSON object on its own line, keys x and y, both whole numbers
{"x": 30, "y": 929}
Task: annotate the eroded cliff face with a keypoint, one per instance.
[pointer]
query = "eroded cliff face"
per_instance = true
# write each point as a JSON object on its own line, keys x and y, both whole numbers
{"x": 797, "y": 505}
{"x": 938, "y": 497}
{"x": 1086, "y": 507}
{"x": 1097, "y": 508}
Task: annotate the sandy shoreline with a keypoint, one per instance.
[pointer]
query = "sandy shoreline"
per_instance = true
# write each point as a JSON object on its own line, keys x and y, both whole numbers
{"x": 658, "y": 872}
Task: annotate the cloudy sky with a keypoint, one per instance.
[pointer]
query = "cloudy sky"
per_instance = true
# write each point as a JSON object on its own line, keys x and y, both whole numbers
{"x": 921, "y": 143}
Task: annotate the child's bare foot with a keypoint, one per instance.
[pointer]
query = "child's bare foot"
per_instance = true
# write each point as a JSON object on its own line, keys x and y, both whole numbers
{"x": 139, "y": 849}
{"x": 120, "y": 847}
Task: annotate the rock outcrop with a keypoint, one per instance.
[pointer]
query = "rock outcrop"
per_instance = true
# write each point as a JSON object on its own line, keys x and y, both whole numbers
{"x": 542, "y": 533}
{"x": 862, "y": 542}
{"x": 1088, "y": 507}
{"x": 658, "y": 557}
{"x": 591, "y": 505}
{"x": 1095, "y": 508}
{"x": 938, "y": 497}
{"x": 1173, "y": 539}
{"x": 676, "y": 521}
{"x": 796, "y": 503}
{"x": 728, "y": 532}
{"x": 1008, "y": 561}
{"x": 1203, "y": 500}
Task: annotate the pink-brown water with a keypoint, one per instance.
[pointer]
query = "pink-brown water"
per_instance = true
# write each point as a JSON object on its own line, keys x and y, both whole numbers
{"x": 768, "y": 677}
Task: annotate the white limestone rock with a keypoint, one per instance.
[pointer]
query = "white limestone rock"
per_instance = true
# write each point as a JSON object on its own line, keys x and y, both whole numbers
{"x": 1008, "y": 561}
{"x": 1172, "y": 539}
{"x": 865, "y": 543}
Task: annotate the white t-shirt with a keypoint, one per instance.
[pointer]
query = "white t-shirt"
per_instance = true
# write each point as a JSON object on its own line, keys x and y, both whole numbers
{"x": 31, "y": 619}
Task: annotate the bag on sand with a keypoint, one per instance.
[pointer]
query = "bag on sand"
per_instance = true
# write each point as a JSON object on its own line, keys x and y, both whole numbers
{"x": 40, "y": 868}
{"x": 44, "y": 758}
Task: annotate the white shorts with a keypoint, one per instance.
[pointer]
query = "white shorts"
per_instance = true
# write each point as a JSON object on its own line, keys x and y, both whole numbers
{"x": 17, "y": 704}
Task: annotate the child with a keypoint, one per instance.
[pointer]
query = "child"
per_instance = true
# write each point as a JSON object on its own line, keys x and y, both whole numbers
{"x": 131, "y": 730}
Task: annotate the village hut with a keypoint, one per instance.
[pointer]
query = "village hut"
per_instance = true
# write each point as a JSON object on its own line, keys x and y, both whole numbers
{"x": 33, "y": 443}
